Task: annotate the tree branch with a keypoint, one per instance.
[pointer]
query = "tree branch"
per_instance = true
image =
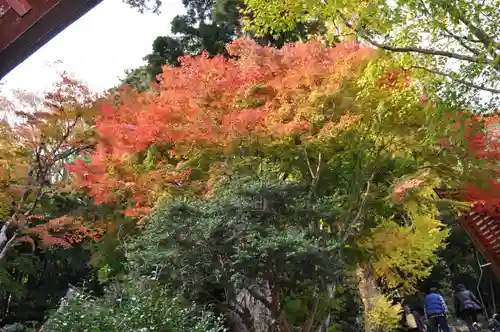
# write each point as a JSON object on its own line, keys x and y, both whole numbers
{"x": 69, "y": 152}
{"x": 35, "y": 202}
{"x": 312, "y": 315}
{"x": 413, "y": 49}
{"x": 443, "y": 27}
{"x": 3, "y": 233}
{"x": 458, "y": 80}
{"x": 489, "y": 44}
{"x": 360, "y": 209}
{"x": 7, "y": 246}
{"x": 309, "y": 166}
{"x": 258, "y": 295}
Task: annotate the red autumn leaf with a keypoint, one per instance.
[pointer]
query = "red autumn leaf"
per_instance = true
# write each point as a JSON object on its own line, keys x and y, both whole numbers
{"x": 49, "y": 240}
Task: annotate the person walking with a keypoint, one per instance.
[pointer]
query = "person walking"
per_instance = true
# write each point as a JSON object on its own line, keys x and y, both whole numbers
{"x": 467, "y": 307}
{"x": 436, "y": 312}
{"x": 412, "y": 321}
{"x": 494, "y": 323}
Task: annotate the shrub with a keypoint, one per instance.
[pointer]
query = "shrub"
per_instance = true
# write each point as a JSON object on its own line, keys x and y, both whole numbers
{"x": 138, "y": 306}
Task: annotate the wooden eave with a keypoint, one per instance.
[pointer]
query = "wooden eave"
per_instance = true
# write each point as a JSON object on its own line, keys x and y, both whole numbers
{"x": 482, "y": 229}
{"x": 26, "y": 25}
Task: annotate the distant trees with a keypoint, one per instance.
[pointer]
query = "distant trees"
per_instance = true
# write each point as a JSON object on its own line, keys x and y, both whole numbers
{"x": 208, "y": 25}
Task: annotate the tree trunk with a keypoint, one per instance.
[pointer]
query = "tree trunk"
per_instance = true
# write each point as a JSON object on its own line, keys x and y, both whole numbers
{"x": 5, "y": 241}
{"x": 325, "y": 322}
{"x": 367, "y": 290}
{"x": 262, "y": 317}
{"x": 236, "y": 323}
{"x": 70, "y": 293}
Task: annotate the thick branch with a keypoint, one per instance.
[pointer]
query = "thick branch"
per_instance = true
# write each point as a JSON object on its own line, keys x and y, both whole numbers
{"x": 259, "y": 296}
{"x": 413, "y": 49}
{"x": 443, "y": 27}
{"x": 3, "y": 233}
{"x": 7, "y": 246}
{"x": 489, "y": 44}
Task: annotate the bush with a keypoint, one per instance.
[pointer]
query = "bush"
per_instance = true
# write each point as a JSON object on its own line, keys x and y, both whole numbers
{"x": 135, "y": 307}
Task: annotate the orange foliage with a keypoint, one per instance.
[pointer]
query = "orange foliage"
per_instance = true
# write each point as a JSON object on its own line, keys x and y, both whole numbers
{"x": 401, "y": 188}
{"x": 211, "y": 104}
{"x": 396, "y": 79}
{"x": 33, "y": 151}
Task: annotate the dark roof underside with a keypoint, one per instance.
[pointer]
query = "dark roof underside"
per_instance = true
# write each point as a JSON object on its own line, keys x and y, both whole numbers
{"x": 23, "y": 33}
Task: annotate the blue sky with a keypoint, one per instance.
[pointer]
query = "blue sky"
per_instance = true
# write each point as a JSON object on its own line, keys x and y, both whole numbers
{"x": 97, "y": 48}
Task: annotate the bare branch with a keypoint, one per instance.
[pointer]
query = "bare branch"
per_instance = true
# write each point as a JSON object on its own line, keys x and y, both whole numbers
{"x": 360, "y": 209}
{"x": 7, "y": 246}
{"x": 63, "y": 139}
{"x": 309, "y": 164}
{"x": 72, "y": 151}
{"x": 35, "y": 202}
{"x": 3, "y": 233}
{"x": 458, "y": 80}
{"x": 312, "y": 315}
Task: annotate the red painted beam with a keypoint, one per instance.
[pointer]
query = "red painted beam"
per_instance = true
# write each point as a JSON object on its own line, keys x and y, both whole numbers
{"x": 484, "y": 232}
{"x": 13, "y": 25}
{"x": 20, "y": 6}
{"x": 26, "y": 25}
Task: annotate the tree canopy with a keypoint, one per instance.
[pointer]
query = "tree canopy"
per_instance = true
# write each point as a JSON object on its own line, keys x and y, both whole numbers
{"x": 345, "y": 123}
{"x": 239, "y": 182}
{"x": 457, "y": 41}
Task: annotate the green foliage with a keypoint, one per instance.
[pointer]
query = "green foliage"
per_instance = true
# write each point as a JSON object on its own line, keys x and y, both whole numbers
{"x": 253, "y": 236}
{"x": 145, "y": 5}
{"x": 32, "y": 283}
{"x": 194, "y": 32}
{"x": 208, "y": 26}
{"x": 384, "y": 316}
{"x": 410, "y": 255}
{"x": 457, "y": 42}
{"x": 139, "y": 305}
{"x": 138, "y": 79}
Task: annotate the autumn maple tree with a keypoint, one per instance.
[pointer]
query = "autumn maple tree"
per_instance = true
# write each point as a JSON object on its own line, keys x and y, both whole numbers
{"x": 483, "y": 136}
{"x": 35, "y": 144}
{"x": 205, "y": 107}
{"x": 348, "y": 123}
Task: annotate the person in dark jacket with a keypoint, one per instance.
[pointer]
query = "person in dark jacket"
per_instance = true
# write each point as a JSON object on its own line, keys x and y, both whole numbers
{"x": 411, "y": 320}
{"x": 467, "y": 307}
{"x": 436, "y": 312}
{"x": 494, "y": 323}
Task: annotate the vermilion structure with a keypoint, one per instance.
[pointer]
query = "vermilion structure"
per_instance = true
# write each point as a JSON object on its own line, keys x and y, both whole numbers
{"x": 484, "y": 231}
{"x": 482, "y": 225}
{"x": 482, "y": 222}
{"x": 26, "y": 25}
